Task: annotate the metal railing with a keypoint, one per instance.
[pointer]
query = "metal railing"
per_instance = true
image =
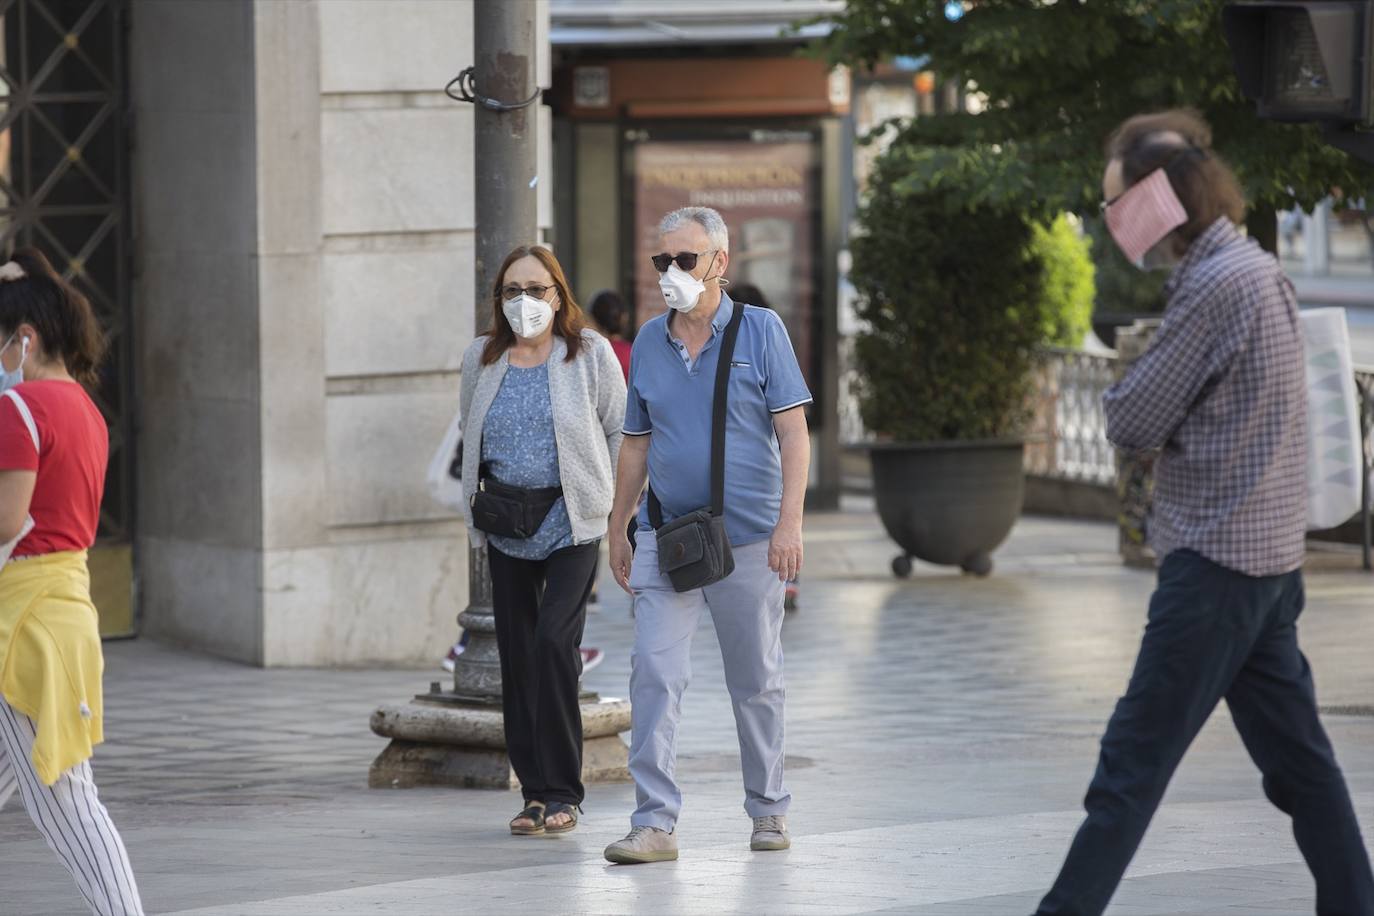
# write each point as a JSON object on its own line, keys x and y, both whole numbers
{"x": 1068, "y": 435}
{"x": 1067, "y": 439}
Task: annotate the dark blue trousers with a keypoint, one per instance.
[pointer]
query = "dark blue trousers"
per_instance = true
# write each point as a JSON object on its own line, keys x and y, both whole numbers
{"x": 1215, "y": 633}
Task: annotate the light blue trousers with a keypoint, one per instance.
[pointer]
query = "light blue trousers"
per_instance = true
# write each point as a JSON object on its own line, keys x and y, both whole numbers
{"x": 747, "y": 611}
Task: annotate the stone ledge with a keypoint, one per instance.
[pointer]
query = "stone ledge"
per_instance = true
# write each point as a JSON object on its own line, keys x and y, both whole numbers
{"x": 481, "y": 727}
{"x": 413, "y": 764}
{"x": 438, "y": 744}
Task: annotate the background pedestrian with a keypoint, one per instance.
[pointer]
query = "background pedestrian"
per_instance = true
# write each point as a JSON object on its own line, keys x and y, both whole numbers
{"x": 54, "y": 447}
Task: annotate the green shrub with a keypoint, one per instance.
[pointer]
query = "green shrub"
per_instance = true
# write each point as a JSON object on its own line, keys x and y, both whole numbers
{"x": 1067, "y": 282}
{"x": 956, "y": 298}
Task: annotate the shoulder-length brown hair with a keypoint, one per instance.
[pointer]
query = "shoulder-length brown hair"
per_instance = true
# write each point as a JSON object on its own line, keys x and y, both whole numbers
{"x": 1179, "y": 141}
{"x": 568, "y": 322}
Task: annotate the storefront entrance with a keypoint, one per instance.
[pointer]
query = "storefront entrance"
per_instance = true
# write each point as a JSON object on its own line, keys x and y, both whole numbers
{"x": 765, "y": 182}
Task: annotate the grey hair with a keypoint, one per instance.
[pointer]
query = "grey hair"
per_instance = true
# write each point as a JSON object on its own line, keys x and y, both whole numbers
{"x": 705, "y": 217}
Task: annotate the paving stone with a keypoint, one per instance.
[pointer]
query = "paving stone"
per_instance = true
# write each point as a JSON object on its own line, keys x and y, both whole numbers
{"x": 941, "y": 731}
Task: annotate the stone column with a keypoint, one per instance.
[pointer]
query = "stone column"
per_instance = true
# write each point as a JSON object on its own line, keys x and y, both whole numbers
{"x": 1134, "y": 473}
{"x": 303, "y": 297}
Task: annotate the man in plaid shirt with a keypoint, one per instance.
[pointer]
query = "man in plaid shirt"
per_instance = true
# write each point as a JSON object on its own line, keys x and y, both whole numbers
{"x": 1221, "y": 395}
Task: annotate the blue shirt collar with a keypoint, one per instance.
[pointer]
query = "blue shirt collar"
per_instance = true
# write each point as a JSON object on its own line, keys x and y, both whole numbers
{"x": 718, "y": 321}
{"x": 723, "y": 313}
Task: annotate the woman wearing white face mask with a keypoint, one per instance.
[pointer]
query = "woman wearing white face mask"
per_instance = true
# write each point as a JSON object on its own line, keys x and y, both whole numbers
{"x": 53, "y": 451}
{"x": 543, "y": 404}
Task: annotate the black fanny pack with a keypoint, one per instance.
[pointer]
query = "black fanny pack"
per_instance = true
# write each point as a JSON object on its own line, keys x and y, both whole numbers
{"x": 693, "y": 549}
{"x": 511, "y": 512}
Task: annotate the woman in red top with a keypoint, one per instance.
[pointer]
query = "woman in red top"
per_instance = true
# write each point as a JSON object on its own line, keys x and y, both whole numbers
{"x": 612, "y": 315}
{"x": 53, "y": 450}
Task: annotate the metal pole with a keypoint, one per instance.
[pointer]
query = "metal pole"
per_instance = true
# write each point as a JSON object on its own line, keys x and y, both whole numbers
{"x": 1366, "y": 531}
{"x": 504, "y": 171}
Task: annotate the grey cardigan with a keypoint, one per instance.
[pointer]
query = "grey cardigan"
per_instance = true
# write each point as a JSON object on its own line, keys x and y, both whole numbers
{"x": 588, "y": 398}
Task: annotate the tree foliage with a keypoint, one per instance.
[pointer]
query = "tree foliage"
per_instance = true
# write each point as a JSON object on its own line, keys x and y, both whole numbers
{"x": 955, "y": 301}
{"x": 1059, "y": 76}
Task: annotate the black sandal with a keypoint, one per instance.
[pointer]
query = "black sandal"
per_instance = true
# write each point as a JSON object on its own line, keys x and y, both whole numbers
{"x": 534, "y": 812}
{"x": 554, "y": 808}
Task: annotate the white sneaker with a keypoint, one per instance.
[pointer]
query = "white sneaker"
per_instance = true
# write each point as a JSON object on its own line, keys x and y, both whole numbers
{"x": 643, "y": 844}
{"x": 770, "y": 834}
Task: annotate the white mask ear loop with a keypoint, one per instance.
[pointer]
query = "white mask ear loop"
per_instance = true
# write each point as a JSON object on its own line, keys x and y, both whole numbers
{"x": 23, "y": 347}
{"x": 10, "y": 378}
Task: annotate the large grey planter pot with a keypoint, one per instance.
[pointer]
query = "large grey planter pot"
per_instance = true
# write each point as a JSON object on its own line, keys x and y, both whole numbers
{"x": 951, "y": 503}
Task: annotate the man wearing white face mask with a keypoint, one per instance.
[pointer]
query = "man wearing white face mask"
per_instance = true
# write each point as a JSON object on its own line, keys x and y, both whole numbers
{"x": 754, "y": 479}
{"x": 1221, "y": 394}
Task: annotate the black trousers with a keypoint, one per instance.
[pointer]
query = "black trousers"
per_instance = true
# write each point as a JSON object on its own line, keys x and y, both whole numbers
{"x": 1215, "y": 633}
{"x": 540, "y": 608}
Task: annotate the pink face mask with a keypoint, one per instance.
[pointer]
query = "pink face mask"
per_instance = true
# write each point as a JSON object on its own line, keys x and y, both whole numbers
{"x": 1140, "y": 218}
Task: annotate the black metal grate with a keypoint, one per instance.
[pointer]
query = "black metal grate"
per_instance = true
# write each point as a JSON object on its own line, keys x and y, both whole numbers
{"x": 64, "y": 184}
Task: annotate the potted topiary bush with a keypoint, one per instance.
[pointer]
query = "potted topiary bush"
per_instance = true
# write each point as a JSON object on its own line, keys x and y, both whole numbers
{"x": 955, "y": 295}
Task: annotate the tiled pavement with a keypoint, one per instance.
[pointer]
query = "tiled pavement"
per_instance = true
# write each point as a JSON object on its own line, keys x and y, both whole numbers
{"x": 941, "y": 733}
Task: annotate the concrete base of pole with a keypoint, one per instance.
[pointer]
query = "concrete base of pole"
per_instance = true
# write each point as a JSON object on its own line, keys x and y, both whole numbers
{"x": 461, "y": 746}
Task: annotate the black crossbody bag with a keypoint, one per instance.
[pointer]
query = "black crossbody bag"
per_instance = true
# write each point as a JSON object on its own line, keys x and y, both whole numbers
{"x": 693, "y": 550}
{"x": 511, "y": 512}
{"x": 503, "y": 510}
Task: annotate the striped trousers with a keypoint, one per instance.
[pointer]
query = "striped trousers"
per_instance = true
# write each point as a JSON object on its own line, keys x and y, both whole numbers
{"x": 71, "y": 818}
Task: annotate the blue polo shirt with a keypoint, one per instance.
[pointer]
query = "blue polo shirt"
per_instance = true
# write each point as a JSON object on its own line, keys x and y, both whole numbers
{"x": 670, "y": 402}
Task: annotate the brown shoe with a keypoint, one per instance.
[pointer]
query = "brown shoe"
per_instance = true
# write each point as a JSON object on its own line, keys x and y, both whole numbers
{"x": 534, "y": 813}
{"x": 552, "y": 810}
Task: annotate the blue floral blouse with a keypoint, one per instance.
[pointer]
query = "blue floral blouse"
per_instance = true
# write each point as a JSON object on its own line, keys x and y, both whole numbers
{"x": 520, "y": 450}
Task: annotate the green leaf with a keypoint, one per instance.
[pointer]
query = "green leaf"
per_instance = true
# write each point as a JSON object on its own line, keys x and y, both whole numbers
{"x": 1060, "y": 77}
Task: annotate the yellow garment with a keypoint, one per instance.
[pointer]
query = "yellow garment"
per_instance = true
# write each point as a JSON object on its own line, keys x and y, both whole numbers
{"x": 50, "y": 658}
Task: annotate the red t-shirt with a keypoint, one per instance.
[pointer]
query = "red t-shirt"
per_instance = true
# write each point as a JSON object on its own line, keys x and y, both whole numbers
{"x": 74, "y": 446}
{"x": 622, "y": 350}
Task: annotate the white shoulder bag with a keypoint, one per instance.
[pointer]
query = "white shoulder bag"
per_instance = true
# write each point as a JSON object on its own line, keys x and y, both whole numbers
{"x": 23, "y": 408}
{"x": 444, "y": 487}
{"x": 1334, "y": 448}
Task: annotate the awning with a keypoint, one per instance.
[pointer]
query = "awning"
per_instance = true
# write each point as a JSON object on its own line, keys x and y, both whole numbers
{"x": 603, "y": 23}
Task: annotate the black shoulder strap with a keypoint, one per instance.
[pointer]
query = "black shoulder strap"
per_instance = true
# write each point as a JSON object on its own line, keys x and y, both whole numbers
{"x": 719, "y": 402}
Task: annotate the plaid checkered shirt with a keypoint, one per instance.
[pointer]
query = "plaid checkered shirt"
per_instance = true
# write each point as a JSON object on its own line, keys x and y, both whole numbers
{"x": 1221, "y": 392}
